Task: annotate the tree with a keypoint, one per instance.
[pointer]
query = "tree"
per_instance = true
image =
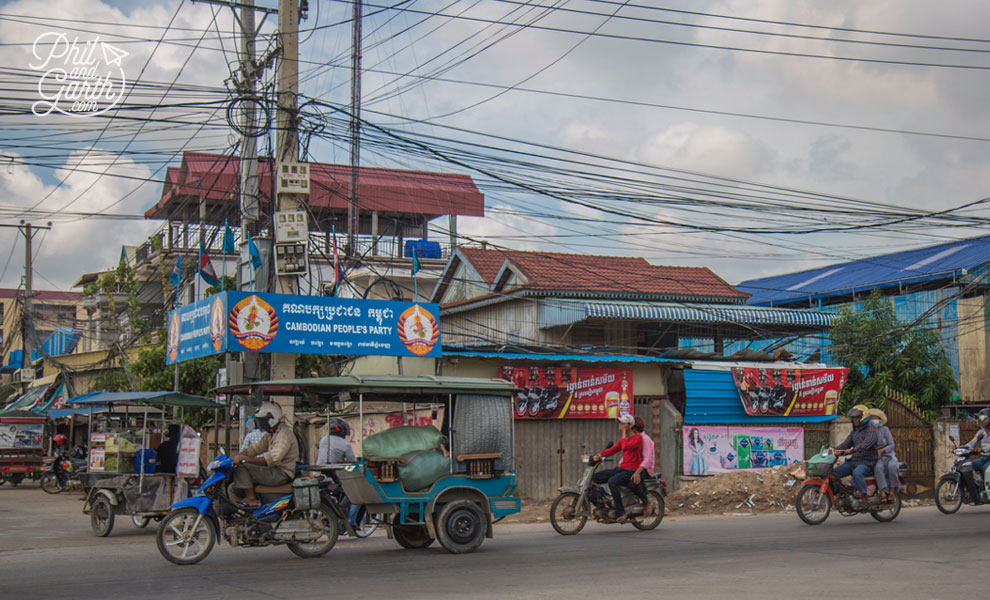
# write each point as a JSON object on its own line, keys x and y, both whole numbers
{"x": 883, "y": 353}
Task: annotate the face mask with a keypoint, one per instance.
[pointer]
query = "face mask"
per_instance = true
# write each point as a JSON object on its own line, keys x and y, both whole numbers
{"x": 875, "y": 423}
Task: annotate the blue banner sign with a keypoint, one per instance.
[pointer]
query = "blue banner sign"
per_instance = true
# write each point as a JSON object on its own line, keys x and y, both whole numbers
{"x": 263, "y": 322}
{"x": 197, "y": 329}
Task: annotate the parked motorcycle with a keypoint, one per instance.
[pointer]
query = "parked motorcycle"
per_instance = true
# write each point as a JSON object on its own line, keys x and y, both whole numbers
{"x": 62, "y": 473}
{"x": 822, "y": 490}
{"x": 576, "y": 503}
{"x": 296, "y": 515}
{"x": 951, "y": 490}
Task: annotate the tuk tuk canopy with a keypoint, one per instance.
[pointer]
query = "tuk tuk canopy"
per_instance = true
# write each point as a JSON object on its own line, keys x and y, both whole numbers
{"x": 163, "y": 398}
{"x": 377, "y": 384}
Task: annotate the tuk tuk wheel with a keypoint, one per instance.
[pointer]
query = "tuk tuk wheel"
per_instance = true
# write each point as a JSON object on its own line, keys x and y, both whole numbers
{"x": 15, "y": 478}
{"x": 140, "y": 522}
{"x": 461, "y": 526}
{"x": 412, "y": 537}
{"x": 101, "y": 517}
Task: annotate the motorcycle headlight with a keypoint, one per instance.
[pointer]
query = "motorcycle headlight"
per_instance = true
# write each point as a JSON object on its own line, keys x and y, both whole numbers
{"x": 585, "y": 458}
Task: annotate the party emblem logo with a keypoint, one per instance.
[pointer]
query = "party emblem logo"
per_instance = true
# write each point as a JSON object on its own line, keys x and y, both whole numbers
{"x": 217, "y": 330}
{"x": 418, "y": 330}
{"x": 253, "y": 323}
{"x": 172, "y": 341}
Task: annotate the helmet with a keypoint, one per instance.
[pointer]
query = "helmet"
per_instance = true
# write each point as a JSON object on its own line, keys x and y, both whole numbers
{"x": 268, "y": 416}
{"x": 983, "y": 417}
{"x": 60, "y": 440}
{"x": 854, "y": 413}
{"x": 339, "y": 427}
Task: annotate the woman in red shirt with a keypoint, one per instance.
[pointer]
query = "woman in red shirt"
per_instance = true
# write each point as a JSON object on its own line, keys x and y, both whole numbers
{"x": 631, "y": 446}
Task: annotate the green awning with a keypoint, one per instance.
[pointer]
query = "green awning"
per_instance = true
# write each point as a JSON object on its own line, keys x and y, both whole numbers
{"x": 164, "y": 398}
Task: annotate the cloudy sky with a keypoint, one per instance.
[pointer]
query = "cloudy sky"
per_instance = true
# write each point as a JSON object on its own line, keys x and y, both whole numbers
{"x": 730, "y": 97}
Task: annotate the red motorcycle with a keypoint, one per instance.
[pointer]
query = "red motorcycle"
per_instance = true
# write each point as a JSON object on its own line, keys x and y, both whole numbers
{"x": 822, "y": 490}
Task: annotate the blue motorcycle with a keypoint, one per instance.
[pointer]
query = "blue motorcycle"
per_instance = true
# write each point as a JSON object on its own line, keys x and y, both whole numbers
{"x": 293, "y": 514}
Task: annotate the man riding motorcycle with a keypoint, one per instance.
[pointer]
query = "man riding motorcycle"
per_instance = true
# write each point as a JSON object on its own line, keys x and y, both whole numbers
{"x": 981, "y": 443}
{"x": 280, "y": 449}
{"x": 631, "y": 446}
{"x": 861, "y": 443}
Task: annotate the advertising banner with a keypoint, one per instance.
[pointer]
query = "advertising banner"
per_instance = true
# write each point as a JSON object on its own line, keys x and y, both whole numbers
{"x": 188, "y": 465}
{"x": 21, "y": 435}
{"x": 571, "y": 393}
{"x": 709, "y": 450}
{"x": 767, "y": 392}
{"x": 262, "y": 322}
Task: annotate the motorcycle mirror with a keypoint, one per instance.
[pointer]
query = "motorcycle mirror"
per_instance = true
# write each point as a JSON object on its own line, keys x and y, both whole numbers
{"x": 952, "y": 439}
{"x": 584, "y": 445}
{"x": 222, "y": 451}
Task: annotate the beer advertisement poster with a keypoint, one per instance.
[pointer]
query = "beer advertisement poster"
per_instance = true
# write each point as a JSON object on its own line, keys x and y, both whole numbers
{"x": 570, "y": 393}
{"x": 774, "y": 392}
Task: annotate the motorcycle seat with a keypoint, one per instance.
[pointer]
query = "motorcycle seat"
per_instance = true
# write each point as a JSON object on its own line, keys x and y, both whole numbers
{"x": 273, "y": 489}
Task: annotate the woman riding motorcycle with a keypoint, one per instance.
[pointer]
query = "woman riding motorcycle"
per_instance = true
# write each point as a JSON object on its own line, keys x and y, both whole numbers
{"x": 885, "y": 471}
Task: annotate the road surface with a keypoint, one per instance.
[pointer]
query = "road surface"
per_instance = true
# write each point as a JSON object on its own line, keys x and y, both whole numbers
{"x": 48, "y": 551}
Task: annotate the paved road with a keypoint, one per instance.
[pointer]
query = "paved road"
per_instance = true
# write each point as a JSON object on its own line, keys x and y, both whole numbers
{"x": 47, "y": 551}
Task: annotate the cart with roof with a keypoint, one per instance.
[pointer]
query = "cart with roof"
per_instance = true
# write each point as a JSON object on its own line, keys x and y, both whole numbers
{"x": 122, "y": 479}
{"x": 23, "y": 436}
{"x": 476, "y": 485}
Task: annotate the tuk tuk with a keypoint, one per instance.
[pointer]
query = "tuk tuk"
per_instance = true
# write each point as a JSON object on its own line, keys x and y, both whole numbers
{"x": 476, "y": 487}
{"x": 23, "y": 436}
{"x": 124, "y": 429}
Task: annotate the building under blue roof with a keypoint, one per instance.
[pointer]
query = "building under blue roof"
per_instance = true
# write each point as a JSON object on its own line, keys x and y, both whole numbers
{"x": 959, "y": 260}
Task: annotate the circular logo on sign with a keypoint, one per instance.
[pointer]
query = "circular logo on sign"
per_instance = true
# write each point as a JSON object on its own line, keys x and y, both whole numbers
{"x": 253, "y": 323}
{"x": 418, "y": 330}
{"x": 172, "y": 341}
{"x": 216, "y": 324}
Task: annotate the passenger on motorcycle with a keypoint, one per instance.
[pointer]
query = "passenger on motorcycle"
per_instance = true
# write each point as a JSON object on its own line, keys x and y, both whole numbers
{"x": 981, "y": 443}
{"x": 649, "y": 458}
{"x": 631, "y": 446}
{"x": 280, "y": 449}
{"x": 886, "y": 470}
{"x": 334, "y": 447}
{"x": 861, "y": 443}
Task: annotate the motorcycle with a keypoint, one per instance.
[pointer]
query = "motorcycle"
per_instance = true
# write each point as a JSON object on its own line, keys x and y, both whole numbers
{"x": 822, "y": 490}
{"x": 62, "y": 473}
{"x": 951, "y": 490}
{"x": 576, "y": 503}
{"x": 296, "y": 515}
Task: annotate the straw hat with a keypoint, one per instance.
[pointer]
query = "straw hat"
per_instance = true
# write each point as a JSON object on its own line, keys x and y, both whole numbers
{"x": 876, "y": 412}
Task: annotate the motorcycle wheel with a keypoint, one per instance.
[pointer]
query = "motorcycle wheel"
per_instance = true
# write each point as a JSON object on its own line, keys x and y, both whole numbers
{"x": 812, "y": 505}
{"x": 368, "y": 525}
{"x": 564, "y": 514}
{"x": 893, "y": 509}
{"x": 319, "y": 516}
{"x": 652, "y": 521}
{"x": 412, "y": 537}
{"x": 101, "y": 517}
{"x": 140, "y": 522}
{"x": 50, "y": 483}
{"x": 948, "y": 496}
{"x": 183, "y": 541}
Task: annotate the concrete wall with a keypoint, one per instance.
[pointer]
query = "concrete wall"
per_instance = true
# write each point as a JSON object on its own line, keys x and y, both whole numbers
{"x": 943, "y": 446}
{"x": 389, "y": 365}
{"x": 670, "y": 423}
{"x": 972, "y": 350}
{"x": 841, "y": 428}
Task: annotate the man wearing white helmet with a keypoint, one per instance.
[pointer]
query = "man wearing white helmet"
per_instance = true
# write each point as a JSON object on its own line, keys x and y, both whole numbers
{"x": 280, "y": 449}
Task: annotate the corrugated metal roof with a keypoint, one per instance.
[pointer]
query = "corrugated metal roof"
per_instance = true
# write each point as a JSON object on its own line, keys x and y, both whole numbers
{"x": 554, "y": 313}
{"x": 912, "y": 266}
{"x": 712, "y": 398}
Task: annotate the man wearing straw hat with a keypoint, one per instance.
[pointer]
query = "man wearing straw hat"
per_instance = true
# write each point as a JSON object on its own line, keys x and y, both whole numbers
{"x": 886, "y": 470}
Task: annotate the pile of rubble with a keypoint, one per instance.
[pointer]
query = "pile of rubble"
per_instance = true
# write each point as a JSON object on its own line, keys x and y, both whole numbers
{"x": 762, "y": 490}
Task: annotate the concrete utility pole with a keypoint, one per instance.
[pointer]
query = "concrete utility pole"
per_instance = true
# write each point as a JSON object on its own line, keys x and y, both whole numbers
{"x": 353, "y": 214}
{"x": 284, "y": 365}
{"x": 27, "y": 348}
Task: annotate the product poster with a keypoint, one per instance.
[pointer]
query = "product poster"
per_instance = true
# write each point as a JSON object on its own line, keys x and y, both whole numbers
{"x": 570, "y": 393}
{"x": 789, "y": 392}
{"x": 710, "y": 450}
{"x": 21, "y": 435}
{"x": 188, "y": 465}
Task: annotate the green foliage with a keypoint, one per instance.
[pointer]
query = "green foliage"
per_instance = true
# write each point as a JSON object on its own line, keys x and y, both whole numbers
{"x": 883, "y": 353}
{"x": 229, "y": 283}
{"x": 112, "y": 380}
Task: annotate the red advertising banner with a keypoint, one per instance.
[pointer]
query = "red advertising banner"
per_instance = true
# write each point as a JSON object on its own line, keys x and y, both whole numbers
{"x": 571, "y": 393}
{"x": 769, "y": 392}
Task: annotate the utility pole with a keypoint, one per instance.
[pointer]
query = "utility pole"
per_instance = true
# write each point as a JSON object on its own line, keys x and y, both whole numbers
{"x": 283, "y": 366}
{"x": 27, "y": 321}
{"x": 353, "y": 214}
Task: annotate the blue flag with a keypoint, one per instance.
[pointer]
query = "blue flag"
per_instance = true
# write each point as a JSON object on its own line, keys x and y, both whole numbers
{"x": 175, "y": 277}
{"x": 228, "y": 240}
{"x": 253, "y": 252}
{"x": 415, "y": 265}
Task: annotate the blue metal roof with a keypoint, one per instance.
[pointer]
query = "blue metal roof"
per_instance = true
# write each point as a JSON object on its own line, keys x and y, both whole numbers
{"x": 712, "y": 399}
{"x": 913, "y": 266}
{"x": 554, "y": 313}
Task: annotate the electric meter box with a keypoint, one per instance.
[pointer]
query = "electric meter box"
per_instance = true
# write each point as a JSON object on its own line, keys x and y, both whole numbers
{"x": 293, "y": 178}
{"x": 291, "y": 227}
{"x": 291, "y": 259}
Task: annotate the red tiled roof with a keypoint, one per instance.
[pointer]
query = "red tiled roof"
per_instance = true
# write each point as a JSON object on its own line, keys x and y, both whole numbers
{"x": 42, "y": 295}
{"x": 591, "y": 273}
{"x": 215, "y": 178}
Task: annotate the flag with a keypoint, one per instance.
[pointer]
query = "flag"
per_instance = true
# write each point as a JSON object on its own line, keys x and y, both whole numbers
{"x": 415, "y": 265}
{"x": 253, "y": 252}
{"x": 338, "y": 268}
{"x": 206, "y": 268}
{"x": 175, "y": 277}
{"x": 228, "y": 240}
